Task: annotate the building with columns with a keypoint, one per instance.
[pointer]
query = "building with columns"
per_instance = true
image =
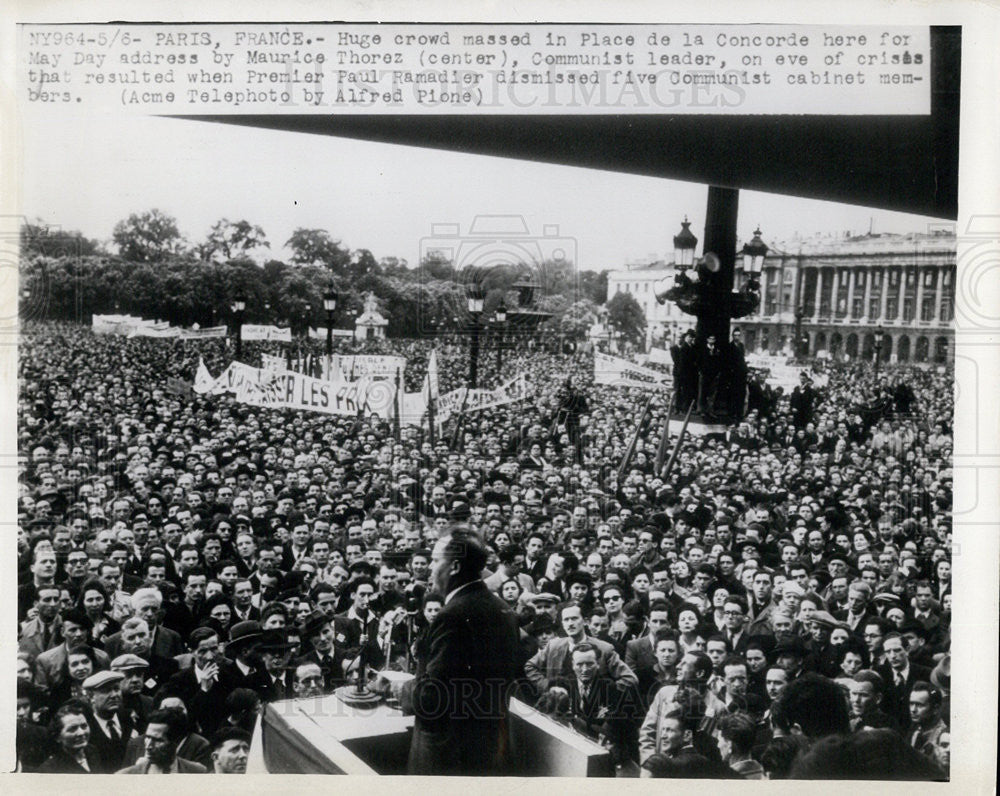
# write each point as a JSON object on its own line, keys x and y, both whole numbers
{"x": 832, "y": 295}
{"x": 829, "y": 296}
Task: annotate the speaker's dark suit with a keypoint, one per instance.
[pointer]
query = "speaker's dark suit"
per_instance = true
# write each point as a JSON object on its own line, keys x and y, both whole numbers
{"x": 462, "y": 690}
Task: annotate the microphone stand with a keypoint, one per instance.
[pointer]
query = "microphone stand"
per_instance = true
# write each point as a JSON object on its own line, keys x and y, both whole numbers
{"x": 359, "y": 694}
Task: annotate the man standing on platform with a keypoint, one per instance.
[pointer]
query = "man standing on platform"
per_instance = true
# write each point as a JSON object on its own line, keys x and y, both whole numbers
{"x": 462, "y": 689}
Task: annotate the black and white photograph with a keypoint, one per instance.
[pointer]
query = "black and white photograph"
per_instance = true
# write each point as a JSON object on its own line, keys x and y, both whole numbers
{"x": 567, "y": 395}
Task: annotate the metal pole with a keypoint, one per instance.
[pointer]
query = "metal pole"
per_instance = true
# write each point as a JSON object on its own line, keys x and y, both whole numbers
{"x": 474, "y": 352}
{"x": 329, "y": 334}
{"x": 399, "y": 405}
{"x": 677, "y": 447}
{"x": 661, "y": 451}
{"x": 635, "y": 439}
{"x": 430, "y": 417}
{"x": 500, "y": 350}
{"x": 458, "y": 421}
{"x": 239, "y": 335}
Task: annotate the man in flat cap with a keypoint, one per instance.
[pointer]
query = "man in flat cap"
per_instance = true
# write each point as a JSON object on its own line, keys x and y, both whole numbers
{"x": 110, "y": 725}
{"x": 134, "y": 703}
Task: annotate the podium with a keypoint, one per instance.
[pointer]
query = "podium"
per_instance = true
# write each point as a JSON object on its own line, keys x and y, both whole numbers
{"x": 322, "y": 735}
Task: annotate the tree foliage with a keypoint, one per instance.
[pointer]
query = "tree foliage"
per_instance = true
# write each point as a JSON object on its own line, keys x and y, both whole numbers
{"x": 39, "y": 239}
{"x": 148, "y": 237}
{"x": 317, "y": 247}
{"x": 155, "y": 275}
{"x": 230, "y": 239}
{"x": 627, "y": 318}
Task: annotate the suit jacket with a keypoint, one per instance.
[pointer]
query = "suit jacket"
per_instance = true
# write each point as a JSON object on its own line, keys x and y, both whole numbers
{"x": 183, "y": 767}
{"x": 472, "y": 668}
{"x": 332, "y": 668}
{"x": 110, "y": 754}
{"x": 740, "y": 647}
{"x": 603, "y": 711}
{"x": 761, "y": 624}
{"x": 207, "y": 709}
{"x": 253, "y": 614}
{"x": 553, "y": 663}
{"x": 51, "y": 665}
{"x": 639, "y": 655}
{"x": 651, "y": 731}
{"x": 194, "y": 748}
{"x": 61, "y": 763}
{"x": 31, "y": 636}
{"x": 269, "y": 690}
{"x": 348, "y": 634}
{"x": 896, "y": 698}
{"x": 166, "y": 643}
{"x": 858, "y": 628}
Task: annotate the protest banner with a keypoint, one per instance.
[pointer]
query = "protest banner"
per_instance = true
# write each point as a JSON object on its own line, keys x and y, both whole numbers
{"x": 154, "y": 330}
{"x": 272, "y": 363}
{"x": 779, "y": 372}
{"x": 320, "y": 334}
{"x": 290, "y": 390}
{"x": 414, "y": 408}
{"x": 258, "y": 331}
{"x": 360, "y": 365}
{"x": 203, "y": 334}
{"x": 476, "y": 400}
{"x": 203, "y": 380}
{"x": 660, "y": 356}
{"x": 614, "y": 370}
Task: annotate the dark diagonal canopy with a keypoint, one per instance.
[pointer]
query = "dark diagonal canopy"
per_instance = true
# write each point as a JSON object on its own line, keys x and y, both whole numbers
{"x": 903, "y": 163}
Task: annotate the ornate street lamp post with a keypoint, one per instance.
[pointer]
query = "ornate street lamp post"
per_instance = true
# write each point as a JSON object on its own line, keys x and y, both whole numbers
{"x": 475, "y": 301}
{"x": 329, "y": 304}
{"x": 501, "y": 318}
{"x": 239, "y": 307}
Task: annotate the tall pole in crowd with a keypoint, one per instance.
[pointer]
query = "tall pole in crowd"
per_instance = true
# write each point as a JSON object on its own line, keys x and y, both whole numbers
{"x": 879, "y": 336}
{"x": 475, "y": 303}
{"x": 329, "y": 304}
{"x": 502, "y": 321}
{"x": 239, "y": 307}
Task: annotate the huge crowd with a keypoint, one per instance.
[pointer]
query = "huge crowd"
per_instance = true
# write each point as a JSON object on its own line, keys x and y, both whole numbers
{"x": 778, "y": 605}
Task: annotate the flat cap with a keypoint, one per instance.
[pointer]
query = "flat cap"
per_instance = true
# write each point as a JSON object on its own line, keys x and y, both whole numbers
{"x": 102, "y": 680}
{"x": 124, "y": 663}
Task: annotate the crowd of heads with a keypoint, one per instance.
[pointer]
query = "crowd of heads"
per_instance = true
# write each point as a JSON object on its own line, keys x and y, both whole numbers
{"x": 264, "y": 543}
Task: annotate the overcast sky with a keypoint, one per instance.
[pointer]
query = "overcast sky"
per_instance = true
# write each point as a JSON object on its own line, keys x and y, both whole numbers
{"x": 89, "y": 172}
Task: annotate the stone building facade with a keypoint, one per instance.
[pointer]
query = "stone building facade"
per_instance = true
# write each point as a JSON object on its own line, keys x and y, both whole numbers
{"x": 829, "y": 296}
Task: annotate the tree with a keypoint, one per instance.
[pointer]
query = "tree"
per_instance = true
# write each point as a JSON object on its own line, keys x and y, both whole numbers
{"x": 40, "y": 239}
{"x": 363, "y": 263}
{"x": 435, "y": 265}
{"x": 230, "y": 239}
{"x": 148, "y": 237}
{"x": 575, "y": 322}
{"x": 316, "y": 246}
{"x": 594, "y": 286}
{"x": 627, "y": 318}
